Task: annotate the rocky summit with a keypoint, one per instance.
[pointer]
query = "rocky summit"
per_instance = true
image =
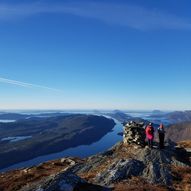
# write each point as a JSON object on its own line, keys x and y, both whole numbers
{"x": 134, "y": 133}
{"x": 123, "y": 167}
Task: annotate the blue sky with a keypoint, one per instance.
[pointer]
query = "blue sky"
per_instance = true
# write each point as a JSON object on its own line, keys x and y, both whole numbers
{"x": 95, "y": 54}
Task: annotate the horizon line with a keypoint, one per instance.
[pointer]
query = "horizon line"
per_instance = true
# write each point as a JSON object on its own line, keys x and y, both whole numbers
{"x": 84, "y": 109}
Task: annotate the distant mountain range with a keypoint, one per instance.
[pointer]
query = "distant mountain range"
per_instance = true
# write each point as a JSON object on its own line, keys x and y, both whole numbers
{"x": 179, "y": 132}
{"x": 20, "y": 116}
{"x": 179, "y": 128}
{"x": 123, "y": 117}
{"x": 157, "y": 115}
{"x": 173, "y": 117}
{"x": 157, "y": 112}
{"x": 179, "y": 116}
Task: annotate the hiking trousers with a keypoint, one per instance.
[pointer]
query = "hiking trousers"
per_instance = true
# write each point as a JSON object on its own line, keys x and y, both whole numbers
{"x": 161, "y": 140}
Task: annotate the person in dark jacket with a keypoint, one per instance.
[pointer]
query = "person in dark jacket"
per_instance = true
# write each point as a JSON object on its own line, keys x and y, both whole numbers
{"x": 150, "y": 134}
{"x": 161, "y": 134}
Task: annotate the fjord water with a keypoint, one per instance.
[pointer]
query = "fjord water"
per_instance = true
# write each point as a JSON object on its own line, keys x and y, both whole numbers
{"x": 101, "y": 145}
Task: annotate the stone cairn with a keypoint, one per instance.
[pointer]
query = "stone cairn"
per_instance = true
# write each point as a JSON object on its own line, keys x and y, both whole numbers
{"x": 134, "y": 133}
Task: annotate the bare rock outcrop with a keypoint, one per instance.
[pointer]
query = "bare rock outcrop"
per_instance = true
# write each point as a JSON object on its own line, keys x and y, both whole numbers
{"x": 65, "y": 181}
{"x": 134, "y": 133}
{"x": 120, "y": 170}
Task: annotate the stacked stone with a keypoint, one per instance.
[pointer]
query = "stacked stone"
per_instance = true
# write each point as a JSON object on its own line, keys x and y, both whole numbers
{"x": 134, "y": 133}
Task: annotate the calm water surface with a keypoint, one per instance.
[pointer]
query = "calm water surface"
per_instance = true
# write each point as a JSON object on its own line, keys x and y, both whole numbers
{"x": 103, "y": 144}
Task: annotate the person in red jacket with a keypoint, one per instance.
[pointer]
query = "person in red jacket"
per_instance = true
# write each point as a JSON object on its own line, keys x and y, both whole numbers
{"x": 150, "y": 134}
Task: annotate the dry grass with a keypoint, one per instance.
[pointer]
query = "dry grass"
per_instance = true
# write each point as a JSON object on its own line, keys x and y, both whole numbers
{"x": 15, "y": 180}
{"x": 138, "y": 184}
{"x": 185, "y": 144}
{"x": 181, "y": 178}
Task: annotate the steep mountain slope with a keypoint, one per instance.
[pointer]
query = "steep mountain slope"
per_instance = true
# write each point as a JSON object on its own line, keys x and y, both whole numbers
{"x": 179, "y": 116}
{"x": 172, "y": 117}
{"x": 179, "y": 132}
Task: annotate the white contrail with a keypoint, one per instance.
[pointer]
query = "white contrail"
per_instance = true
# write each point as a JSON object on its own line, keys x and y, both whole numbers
{"x": 26, "y": 85}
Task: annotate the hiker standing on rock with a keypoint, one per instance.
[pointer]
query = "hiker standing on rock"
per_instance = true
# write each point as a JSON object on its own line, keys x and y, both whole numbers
{"x": 150, "y": 134}
{"x": 161, "y": 134}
